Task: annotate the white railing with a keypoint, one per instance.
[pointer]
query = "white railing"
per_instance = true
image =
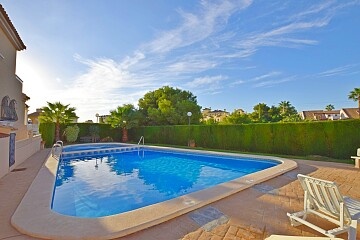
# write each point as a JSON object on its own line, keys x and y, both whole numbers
{"x": 143, "y": 141}
{"x": 56, "y": 150}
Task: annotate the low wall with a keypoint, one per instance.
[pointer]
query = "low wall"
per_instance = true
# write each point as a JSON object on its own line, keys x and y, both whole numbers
{"x": 26, "y": 148}
{"x": 4, "y": 156}
{"x": 23, "y": 150}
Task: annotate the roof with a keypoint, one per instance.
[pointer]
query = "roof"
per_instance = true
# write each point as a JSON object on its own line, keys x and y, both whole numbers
{"x": 10, "y": 31}
{"x": 310, "y": 114}
{"x": 351, "y": 112}
{"x": 34, "y": 114}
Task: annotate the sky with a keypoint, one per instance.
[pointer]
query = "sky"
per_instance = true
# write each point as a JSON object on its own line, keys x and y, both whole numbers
{"x": 232, "y": 54}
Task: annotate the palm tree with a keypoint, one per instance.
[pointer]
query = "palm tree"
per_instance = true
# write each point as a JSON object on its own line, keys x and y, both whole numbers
{"x": 329, "y": 107}
{"x": 125, "y": 117}
{"x": 57, "y": 113}
{"x": 355, "y": 95}
{"x": 284, "y": 105}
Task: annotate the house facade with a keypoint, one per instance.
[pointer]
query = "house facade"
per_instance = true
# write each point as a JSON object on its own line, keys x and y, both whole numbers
{"x": 16, "y": 142}
{"x": 319, "y": 115}
{"x": 216, "y": 115}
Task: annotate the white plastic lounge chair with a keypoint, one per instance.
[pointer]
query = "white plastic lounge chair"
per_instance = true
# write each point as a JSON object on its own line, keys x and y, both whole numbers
{"x": 323, "y": 199}
{"x": 357, "y": 159}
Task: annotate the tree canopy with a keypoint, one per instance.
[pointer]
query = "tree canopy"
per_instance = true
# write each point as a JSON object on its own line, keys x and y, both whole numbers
{"x": 169, "y": 106}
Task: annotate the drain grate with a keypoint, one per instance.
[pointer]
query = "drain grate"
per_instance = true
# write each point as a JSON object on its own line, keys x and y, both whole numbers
{"x": 209, "y": 218}
{"x": 263, "y": 188}
{"x": 18, "y": 169}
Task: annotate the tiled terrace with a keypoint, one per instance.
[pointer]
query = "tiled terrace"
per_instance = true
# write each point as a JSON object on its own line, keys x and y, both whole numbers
{"x": 254, "y": 213}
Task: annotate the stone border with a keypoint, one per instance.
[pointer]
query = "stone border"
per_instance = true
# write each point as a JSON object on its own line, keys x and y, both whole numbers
{"x": 34, "y": 216}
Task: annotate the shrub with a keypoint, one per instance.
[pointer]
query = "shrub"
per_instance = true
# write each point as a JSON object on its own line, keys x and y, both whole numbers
{"x": 71, "y": 133}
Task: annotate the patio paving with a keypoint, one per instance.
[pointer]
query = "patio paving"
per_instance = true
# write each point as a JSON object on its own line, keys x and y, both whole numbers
{"x": 254, "y": 213}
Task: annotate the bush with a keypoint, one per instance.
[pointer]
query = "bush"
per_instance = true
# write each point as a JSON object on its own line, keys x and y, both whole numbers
{"x": 71, "y": 133}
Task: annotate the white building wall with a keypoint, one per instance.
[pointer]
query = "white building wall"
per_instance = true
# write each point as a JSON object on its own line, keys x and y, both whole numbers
{"x": 23, "y": 150}
{"x": 4, "y": 156}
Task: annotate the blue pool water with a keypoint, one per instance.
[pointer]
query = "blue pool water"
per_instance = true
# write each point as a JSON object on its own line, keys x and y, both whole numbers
{"x": 96, "y": 186}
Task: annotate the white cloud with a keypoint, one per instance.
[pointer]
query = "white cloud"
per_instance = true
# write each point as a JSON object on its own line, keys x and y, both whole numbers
{"x": 270, "y": 83}
{"x": 267, "y": 75}
{"x": 207, "y": 80}
{"x": 343, "y": 70}
{"x": 207, "y": 84}
{"x": 196, "y": 27}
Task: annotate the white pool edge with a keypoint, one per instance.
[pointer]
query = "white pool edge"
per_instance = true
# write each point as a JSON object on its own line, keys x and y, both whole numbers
{"x": 34, "y": 216}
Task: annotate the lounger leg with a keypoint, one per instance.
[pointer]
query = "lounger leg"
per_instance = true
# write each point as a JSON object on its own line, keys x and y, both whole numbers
{"x": 295, "y": 223}
{"x": 352, "y": 230}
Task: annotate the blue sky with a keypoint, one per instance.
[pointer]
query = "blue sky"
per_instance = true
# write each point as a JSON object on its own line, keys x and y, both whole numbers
{"x": 97, "y": 55}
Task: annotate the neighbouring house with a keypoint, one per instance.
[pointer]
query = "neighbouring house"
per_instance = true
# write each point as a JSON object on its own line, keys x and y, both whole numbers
{"x": 17, "y": 143}
{"x": 319, "y": 115}
{"x": 33, "y": 120}
{"x": 103, "y": 118}
{"x": 352, "y": 113}
{"x": 216, "y": 115}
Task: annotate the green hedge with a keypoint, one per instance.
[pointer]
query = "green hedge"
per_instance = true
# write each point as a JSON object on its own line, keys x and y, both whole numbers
{"x": 47, "y": 131}
{"x": 336, "y": 139}
{"x": 105, "y": 130}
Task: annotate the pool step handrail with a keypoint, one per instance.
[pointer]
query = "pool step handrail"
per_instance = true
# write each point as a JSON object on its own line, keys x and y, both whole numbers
{"x": 60, "y": 142}
{"x": 143, "y": 141}
{"x": 55, "y": 152}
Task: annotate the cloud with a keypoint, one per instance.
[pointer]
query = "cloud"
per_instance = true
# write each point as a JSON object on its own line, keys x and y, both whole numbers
{"x": 264, "y": 76}
{"x": 207, "y": 84}
{"x": 343, "y": 70}
{"x": 196, "y": 27}
{"x": 271, "y": 83}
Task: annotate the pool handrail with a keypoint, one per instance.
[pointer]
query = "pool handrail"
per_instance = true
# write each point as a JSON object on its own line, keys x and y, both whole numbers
{"x": 54, "y": 153}
{"x": 60, "y": 142}
{"x": 143, "y": 140}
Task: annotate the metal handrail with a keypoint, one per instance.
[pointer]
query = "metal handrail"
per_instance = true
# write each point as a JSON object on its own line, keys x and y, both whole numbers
{"x": 60, "y": 142}
{"x": 143, "y": 140}
{"x": 143, "y": 143}
{"x": 55, "y": 153}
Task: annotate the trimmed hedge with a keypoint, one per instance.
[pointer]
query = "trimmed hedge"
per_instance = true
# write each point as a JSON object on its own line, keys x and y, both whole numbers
{"x": 47, "y": 131}
{"x": 105, "y": 130}
{"x": 336, "y": 139}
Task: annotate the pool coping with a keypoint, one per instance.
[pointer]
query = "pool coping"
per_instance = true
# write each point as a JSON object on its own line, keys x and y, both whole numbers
{"x": 34, "y": 216}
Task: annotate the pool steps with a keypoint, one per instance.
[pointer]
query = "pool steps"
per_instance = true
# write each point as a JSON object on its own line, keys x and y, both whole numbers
{"x": 99, "y": 152}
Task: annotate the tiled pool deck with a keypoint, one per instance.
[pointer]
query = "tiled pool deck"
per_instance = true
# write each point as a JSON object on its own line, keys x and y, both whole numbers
{"x": 254, "y": 213}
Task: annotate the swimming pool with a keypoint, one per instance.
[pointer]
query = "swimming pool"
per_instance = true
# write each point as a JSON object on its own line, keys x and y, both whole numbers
{"x": 35, "y": 217}
{"x": 93, "y": 186}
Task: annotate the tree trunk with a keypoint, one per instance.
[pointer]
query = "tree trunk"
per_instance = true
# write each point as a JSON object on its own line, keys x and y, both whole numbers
{"x": 57, "y": 131}
{"x": 124, "y": 135}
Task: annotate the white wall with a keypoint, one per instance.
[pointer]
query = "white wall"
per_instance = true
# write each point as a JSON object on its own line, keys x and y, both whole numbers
{"x": 23, "y": 150}
{"x": 4, "y": 156}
